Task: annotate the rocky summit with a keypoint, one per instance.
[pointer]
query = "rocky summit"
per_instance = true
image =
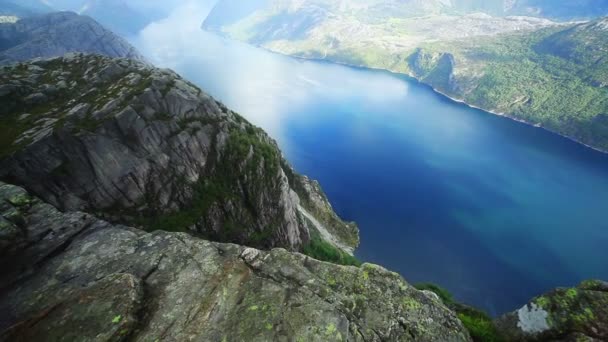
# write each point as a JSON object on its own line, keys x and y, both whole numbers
{"x": 56, "y": 34}
{"x": 70, "y": 276}
{"x": 565, "y": 314}
{"x": 139, "y": 145}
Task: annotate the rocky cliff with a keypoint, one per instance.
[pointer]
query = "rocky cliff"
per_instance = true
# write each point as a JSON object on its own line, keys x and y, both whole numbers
{"x": 56, "y": 34}
{"x": 564, "y": 314}
{"x": 139, "y": 145}
{"x": 69, "y": 276}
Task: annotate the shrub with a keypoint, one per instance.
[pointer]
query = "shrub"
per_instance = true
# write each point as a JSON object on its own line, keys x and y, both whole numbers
{"x": 477, "y": 322}
{"x": 445, "y": 295}
{"x": 321, "y": 250}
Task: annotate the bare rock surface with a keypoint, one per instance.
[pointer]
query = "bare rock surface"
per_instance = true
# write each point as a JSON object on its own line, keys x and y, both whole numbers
{"x": 80, "y": 278}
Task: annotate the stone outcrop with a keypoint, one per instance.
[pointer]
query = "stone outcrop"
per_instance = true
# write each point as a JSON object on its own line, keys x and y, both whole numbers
{"x": 56, "y": 34}
{"x": 139, "y": 145}
{"x": 71, "y": 276}
{"x": 565, "y": 314}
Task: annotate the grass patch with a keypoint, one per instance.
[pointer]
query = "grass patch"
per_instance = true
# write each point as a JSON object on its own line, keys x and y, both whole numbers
{"x": 445, "y": 296}
{"x": 479, "y": 325}
{"x": 321, "y": 250}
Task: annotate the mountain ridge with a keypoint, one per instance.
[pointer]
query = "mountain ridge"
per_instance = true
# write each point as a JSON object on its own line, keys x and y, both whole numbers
{"x": 56, "y": 34}
{"x": 142, "y": 146}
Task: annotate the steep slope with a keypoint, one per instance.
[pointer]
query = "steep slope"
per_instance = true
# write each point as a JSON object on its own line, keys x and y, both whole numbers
{"x": 55, "y": 34}
{"x": 70, "y": 276}
{"x": 142, "y": 146}
{"x": 534, "y": 70}
{"x": 555, "y": 78}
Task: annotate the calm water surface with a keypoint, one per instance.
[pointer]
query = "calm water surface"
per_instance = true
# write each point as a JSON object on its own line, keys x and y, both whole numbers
{"x": 493, "y": 210}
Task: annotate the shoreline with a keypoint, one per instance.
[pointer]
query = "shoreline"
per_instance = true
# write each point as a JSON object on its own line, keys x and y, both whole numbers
{"x": 439, "y": 92}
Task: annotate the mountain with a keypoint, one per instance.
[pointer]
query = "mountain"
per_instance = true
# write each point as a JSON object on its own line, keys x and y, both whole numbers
{"x": 555, "y": 78}
{"x": 123, "y": 17}
{"x": 23, "y": 8}
{"x": 141, "y": 146}
{"x": 564, "y": 9}
{"x": 70, "y": 276}
{"x": 56, "y": 34}
{"x": 116, "y": 15}
{"x": 535, "y": 70}
{"x": 228, "y": 12}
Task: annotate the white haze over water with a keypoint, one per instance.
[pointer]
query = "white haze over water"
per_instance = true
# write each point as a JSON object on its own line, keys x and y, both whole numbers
{"x": 262, "y": 87}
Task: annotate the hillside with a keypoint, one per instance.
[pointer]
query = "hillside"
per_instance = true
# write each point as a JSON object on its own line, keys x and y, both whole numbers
{"x": 141, "y": 146}
{"x": 56, "y": 34}
{"x": 535, "y": 70}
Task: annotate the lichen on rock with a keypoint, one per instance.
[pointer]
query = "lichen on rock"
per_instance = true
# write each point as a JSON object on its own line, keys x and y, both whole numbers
{"x": 87, "y": 279}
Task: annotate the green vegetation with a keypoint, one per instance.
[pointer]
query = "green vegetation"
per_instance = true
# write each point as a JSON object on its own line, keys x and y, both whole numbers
{"x": 478, "y": 323}
{"x": 320, "y": 249}
{"x": 549, "y": 77}
{"x": 444, "y": 295}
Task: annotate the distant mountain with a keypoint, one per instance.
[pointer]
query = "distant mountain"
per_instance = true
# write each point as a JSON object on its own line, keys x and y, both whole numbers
{"x": 56, "y": 34}
{"x": 228, "y": 12}
{"x": 556, "y": 78}
{"x": 543, "y": 72}
{"x": 23, "y": 8}
{"x": 562, "y": 9}
{"x": 117, "y": 15}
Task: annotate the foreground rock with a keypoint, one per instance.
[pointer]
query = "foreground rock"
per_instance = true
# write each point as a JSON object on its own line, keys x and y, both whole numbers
{"x": 56, "y": 34}
{"x": 140, "y": 145}
{"x": 575, "y": 314}
{"x": 70, "y": 276}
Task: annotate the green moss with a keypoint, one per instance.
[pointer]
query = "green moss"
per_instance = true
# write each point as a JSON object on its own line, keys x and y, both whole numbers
{"x": 543, "y": 302}
{"x": 330, "y": 330}
{"x": 571, "y": 293}
{"x": 20, "y": 200}
{"x": 411, "y": 304}
{"x": 117, "y": 319}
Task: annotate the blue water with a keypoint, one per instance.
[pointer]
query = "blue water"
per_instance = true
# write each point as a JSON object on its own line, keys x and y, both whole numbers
{"x": 493, "y": 210}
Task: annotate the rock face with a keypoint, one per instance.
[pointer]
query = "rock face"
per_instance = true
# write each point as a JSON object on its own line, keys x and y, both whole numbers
{"x": 140, "y": 145}
{"x": 70, "y": 276}
{"x": 56, "y": 34}
{"x": 575, "y": 314}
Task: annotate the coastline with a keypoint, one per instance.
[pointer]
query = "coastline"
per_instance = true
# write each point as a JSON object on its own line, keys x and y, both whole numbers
{"x": 436, "y": 91}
